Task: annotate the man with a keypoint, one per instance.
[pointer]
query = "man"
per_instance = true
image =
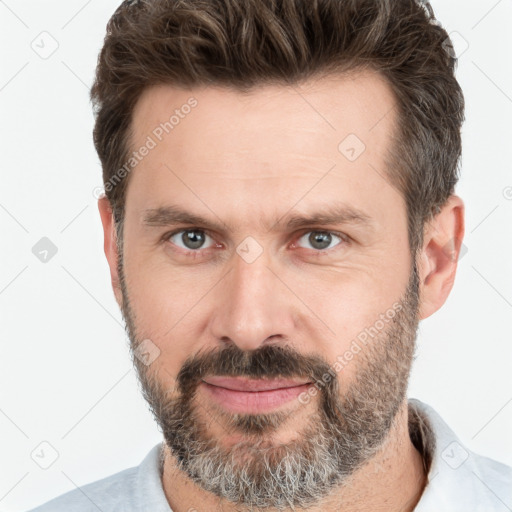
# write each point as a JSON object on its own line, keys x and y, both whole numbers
{"x": 279, "y": 215}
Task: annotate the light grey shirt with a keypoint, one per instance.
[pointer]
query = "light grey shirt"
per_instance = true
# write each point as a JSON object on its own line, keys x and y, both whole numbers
{"x": 458, "y": 479}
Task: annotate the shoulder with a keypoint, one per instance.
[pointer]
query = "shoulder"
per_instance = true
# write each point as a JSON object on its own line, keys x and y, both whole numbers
{"x": 136, "y": 488}
{"x": 108, "y": 494}
{"x": 460, "y": 479}
{"x": 499, "y": 475}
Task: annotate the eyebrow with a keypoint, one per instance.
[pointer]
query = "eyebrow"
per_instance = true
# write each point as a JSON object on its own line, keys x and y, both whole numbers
{"x": 329, "y": 214}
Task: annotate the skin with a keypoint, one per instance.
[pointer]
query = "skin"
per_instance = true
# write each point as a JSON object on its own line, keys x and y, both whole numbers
{"x": 249, "y": 160}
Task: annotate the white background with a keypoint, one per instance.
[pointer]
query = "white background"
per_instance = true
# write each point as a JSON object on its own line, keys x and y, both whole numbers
{"x": 66, "y": 376}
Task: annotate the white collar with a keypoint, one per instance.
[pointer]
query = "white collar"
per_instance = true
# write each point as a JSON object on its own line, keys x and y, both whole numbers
{"x": 459, "y": 480}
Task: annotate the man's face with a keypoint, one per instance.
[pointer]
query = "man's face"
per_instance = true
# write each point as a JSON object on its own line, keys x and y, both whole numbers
{"x": 249, "y": 295}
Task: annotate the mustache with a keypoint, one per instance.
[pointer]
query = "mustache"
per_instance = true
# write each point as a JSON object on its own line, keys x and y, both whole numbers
{"x": 267, "y": 361}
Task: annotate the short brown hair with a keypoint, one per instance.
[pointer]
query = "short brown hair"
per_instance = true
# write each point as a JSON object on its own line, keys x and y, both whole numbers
{"x": 242, "y": 44}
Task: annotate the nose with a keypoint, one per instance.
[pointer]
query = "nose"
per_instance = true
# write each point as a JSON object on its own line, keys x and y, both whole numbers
{"x": 253, "y": 306}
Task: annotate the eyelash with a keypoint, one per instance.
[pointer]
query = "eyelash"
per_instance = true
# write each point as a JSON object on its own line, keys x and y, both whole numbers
{"x": 344, "y": 240}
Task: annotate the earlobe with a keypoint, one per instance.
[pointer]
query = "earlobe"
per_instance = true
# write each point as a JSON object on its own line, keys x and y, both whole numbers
{"x": 110, "y": 244}
{"x": 439, "y": 256}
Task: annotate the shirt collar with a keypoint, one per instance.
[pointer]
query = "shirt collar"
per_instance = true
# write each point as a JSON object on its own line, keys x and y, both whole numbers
{"x": 458, "y": 479}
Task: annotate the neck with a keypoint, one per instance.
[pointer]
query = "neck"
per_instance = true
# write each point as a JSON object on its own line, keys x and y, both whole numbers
{"x": 393, "y": 480}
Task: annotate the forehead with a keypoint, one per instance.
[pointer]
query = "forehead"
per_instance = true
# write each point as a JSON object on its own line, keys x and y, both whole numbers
{"x": 218, "y": 147}
{"x": 359, "y": 102}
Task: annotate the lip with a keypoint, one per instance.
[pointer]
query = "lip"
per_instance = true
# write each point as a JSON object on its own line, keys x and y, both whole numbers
{"x": 244, "y": 384}
{"x": 241, "y": 395}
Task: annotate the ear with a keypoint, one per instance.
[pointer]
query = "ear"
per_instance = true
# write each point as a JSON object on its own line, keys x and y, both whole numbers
{"x": 438, "y": 259}
{"x": 110, "y": 244}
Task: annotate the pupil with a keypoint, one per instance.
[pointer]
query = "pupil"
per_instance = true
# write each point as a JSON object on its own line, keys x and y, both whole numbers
{"x": 193, "y": 239}
{"x": 320, "y": 240}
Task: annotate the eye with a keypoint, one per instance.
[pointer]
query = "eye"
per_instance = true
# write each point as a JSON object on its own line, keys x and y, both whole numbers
{"x": 322, "y": 240}
{"x": 192, "y": 240}
{"x": 188, "y": 239}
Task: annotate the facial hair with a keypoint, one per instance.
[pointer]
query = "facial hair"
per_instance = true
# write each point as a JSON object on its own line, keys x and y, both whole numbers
{"x": 344, "y": 433}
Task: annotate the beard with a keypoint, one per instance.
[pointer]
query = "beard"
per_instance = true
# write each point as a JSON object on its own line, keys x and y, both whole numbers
{"x": 344, "y": 432}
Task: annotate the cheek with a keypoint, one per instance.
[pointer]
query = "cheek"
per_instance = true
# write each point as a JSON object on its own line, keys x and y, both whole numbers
{"x": 358, "y": 313}
{"x": 350, "y": 301}
{"x": 159, "y": 290}
{"x": 168, "y": 308}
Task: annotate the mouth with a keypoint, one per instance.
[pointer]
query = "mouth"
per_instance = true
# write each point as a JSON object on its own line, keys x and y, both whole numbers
{"x": 252, "y": 396}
